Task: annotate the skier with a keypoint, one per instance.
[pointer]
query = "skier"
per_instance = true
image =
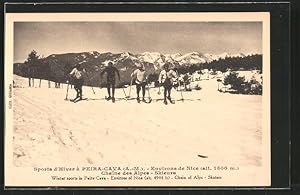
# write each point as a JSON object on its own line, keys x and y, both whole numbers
{"x": 166, "y": 78}
{"x": 77, "y": 75}
{"x": 111, "y": 71}
{"x": 140, "y": 78}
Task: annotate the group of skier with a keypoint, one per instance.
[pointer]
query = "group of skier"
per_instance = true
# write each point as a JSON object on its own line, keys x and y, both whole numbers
{"x": 139, "y": 77}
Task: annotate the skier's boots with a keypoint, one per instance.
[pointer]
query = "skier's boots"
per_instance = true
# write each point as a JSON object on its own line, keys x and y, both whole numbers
{"x": 165, "y": 102}
{"x": 171, "y": 101}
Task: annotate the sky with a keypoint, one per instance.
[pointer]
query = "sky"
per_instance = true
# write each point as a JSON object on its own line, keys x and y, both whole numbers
{"x": 136, "y": 37}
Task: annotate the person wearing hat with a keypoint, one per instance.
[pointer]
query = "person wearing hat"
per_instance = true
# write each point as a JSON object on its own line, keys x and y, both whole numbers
{"x": 166, "y": 78}
{"x": 77, "y": 74}
{"x": 140, "y": 78}
{"x": 111, "y": 72}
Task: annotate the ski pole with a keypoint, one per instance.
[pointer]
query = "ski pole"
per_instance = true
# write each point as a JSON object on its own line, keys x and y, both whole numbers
{"x": 90, "y": 81}
{"x": 148, "y": 90}
{"x": 124, "y": 92}
{"x": 180, "y": 88}
{"x": 181, "y": 92}
{"x": 93, "y": 90}
{"x": 130, "y": 87}
{"x": 67, "y": 92}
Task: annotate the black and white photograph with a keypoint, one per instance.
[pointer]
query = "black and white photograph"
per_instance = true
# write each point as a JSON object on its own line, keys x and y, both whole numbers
{"x": 137, "y": 99}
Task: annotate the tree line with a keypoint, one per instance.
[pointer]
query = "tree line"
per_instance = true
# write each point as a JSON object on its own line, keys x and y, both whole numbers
{"x": 253, "y": 62}
{"x": 37, "y": 67}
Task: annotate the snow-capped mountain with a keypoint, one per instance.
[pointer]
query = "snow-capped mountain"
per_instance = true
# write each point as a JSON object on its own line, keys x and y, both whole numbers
{"x": 175, "y": 56}
{"x": 241, "y": 55}
{"x": 223, "y": 55}
{"x": 159, "y": 59}
{"x": 155, "y": 59}
{"x": 57, "y": 65}
{"x": 125, "y": 56}
{"x": 191, "y": 58}
{"x": 170, "y": 59}
{"x": 127, "y": 61}
{"x": 211, "y": 57}
{"x": 151, "y": 57}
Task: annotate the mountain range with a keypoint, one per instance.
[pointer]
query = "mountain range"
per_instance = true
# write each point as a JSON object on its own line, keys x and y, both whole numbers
{"x": 57, "y": 65}
{"x": 155, "y": 58}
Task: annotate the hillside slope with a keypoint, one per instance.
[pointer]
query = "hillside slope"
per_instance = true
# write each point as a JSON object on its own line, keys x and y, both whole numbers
{"x": 51, "y": 131}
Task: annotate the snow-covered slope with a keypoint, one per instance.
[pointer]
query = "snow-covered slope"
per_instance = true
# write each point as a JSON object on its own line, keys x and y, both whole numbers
{"x": 49, "y": 131}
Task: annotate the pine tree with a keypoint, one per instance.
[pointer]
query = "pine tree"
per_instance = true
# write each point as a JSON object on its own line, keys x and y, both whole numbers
{"x": 32, "y": 66}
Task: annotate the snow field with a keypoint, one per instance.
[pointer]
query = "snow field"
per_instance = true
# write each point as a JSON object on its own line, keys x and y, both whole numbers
{"x": 50, "y": 130}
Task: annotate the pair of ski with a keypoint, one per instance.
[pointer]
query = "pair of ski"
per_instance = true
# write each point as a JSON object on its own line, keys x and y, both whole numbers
{"x": 165, "y": 101}
{"x": 170, "y": 100}
{"x": 78, "y": 99}
{"x": 127, "y": 98}
{"x": 110, "y": 98}
{"x": 144, "y": 101}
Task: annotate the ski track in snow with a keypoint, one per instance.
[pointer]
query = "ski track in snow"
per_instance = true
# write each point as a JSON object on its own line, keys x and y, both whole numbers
{"x": 49, "y": 130}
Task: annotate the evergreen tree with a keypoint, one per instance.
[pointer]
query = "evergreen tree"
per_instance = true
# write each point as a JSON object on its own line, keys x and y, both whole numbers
{"x": 32, "y": 64}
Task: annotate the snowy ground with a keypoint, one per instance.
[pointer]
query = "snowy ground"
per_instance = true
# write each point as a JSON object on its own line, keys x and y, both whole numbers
{"x": 49, "y": 130}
